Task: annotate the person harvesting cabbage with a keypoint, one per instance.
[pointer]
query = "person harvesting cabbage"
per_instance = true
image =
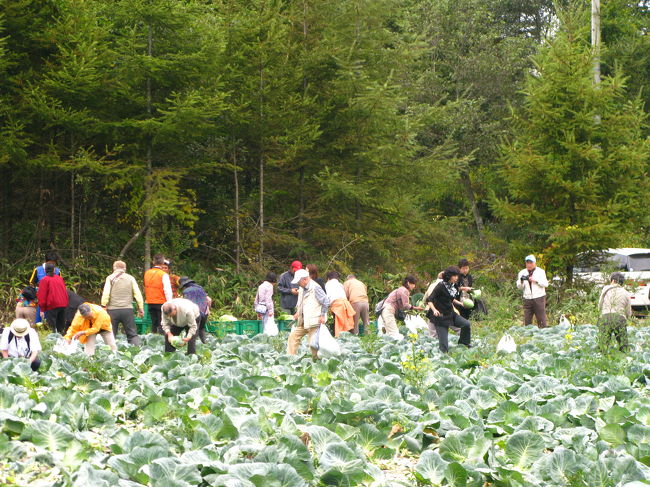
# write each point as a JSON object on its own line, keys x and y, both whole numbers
{"x": 615, "y": 307}
{"x": 441, "y": 311}
{"x": 395, "y": 304}
{"x": 89, "y": 321}
{"x": 178, "y": 315}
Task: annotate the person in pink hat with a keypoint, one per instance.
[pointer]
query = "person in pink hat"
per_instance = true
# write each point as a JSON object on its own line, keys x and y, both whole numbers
{"x": 289, "y": 291}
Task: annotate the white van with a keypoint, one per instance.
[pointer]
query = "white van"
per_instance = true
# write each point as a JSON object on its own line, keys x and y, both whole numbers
{"x": 597, "y": 266}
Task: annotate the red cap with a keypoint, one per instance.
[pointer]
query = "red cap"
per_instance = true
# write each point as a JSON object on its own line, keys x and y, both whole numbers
{"x": 296, "y": 264}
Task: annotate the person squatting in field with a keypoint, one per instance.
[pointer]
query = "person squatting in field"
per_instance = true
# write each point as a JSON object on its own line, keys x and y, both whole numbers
{"x": 89, "y": 321}
{"x": 615, "y": 305}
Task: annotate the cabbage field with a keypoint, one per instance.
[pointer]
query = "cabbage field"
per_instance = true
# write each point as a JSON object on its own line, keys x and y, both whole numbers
{"x": 242, "y": 414}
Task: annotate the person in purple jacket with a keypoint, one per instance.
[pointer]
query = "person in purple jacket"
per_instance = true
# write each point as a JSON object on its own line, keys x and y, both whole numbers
{"x": 195, "y": 293}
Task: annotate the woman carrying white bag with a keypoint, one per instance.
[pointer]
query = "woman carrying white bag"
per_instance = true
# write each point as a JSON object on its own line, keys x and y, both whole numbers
{"x": 263, "y": 304}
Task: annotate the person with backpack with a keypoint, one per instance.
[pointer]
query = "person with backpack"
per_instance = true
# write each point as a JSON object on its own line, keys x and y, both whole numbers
{"x": 263, "y": 304}
{"x": 120, "y": 289}
{"x": 195, "y": 293}
{"x": 26, "y": 304}
{"x": 392, "y": 308}
{"x": 19, "y": 340}
{"x": 53, "y": 299}
{"x": 51, "y": 257}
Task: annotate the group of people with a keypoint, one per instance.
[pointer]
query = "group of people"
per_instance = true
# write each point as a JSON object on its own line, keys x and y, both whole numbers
{"x": 178, "y": 306}
{"x": 309, "y": 299}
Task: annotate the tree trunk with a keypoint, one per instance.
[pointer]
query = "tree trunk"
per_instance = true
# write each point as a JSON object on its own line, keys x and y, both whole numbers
{"x": 72, "y": 215}
{"x": 148, "y": 181}
{"x": 261, "y": 208}
{"x": 301, "y": 196}
{"x": 261, "y": 121}
{"x": 595, "y": 38}
{"x": 237, "y": 215}
{"x": 478, "y": 220}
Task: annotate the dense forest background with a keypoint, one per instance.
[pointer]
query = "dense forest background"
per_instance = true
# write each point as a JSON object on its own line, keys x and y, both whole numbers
{"x": 383, "y": 135}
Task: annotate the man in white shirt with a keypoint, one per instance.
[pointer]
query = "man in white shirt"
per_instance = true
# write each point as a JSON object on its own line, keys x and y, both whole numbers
{"x": 177, "y": 315}
{"x": 532, "y": 281}
{"x": 19, "y": 340}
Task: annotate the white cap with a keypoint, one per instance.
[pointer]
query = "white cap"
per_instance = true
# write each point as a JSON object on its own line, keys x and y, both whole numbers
{"x": 300, "y": 274}
{"x": 531, "y": 258}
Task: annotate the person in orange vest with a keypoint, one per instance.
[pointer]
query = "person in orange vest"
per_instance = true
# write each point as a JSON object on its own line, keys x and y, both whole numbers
{"x": 157, "y": 290}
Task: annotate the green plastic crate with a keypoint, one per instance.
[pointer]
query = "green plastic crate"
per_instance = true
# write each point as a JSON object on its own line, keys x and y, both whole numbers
{"x": 221, "y": 328}
{"x": 143, "y": 326}
{"x": 284, "y": 325}
{"x": 249, "y": 327}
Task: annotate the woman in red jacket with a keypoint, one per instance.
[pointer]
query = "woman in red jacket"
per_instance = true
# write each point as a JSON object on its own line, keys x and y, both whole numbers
{"x": 53, "y": 299}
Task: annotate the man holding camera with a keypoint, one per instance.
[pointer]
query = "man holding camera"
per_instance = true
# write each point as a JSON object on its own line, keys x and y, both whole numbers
{"x": 532, "y": 281}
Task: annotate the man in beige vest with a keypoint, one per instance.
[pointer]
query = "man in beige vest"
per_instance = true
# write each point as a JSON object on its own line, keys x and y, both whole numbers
{"x": 120, "y": 289}
{"x": 311, "y": 312}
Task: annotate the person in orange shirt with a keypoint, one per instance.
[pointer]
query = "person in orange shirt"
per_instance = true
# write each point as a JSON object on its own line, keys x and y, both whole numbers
{"x": 89, "y": 321}
{"x": 157, "y": 290}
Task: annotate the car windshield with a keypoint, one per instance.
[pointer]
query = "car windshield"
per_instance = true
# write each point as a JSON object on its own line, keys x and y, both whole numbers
{"x": 600, "y": 261}
{"x": 639, "y": 262}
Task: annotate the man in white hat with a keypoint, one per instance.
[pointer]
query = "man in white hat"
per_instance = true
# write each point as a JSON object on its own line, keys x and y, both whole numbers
{"x": 19, "y": 340}
{"x": 311, "y": 312}
{"x": 533, "y": 282}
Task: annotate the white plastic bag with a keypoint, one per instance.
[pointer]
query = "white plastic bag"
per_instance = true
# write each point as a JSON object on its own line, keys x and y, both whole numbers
{"x": 313, "y": 341}
{"x": 327, "y": 344}
{"x": 415, "y": 323}
{"x": 271, "y": 327}
{"x": 506, "y": 344}
{"x": 63, "y": 347}
{"x": 565, "y": 321}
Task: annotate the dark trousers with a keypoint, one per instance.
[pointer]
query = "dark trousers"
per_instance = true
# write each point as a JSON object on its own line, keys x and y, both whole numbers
{"x": 155, "y": 314}
{"x": 36, "y": 364}
{"x": 126, "y": 316}
{"x": 442, "y": 329}
{"x": 201, "y": 330}
{"x": 610, "y": 326}
{"x": 535, "y": 307}
{"x": 191, "y": 345}
{"x": 56, "y": 319}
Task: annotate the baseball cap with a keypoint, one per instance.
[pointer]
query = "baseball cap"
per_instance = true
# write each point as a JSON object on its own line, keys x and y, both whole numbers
{"x": 300, "y": 274}
{"x": 296, "y": 264}
{"x": 530, "y": 258}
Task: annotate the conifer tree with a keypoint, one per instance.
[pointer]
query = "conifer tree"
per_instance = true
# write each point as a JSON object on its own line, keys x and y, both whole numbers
{"x": 575, "y": 173}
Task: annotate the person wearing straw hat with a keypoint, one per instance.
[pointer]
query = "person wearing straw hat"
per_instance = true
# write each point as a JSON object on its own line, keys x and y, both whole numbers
{"x": 533, "y": 282}
{"x": 19, "y": 340}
